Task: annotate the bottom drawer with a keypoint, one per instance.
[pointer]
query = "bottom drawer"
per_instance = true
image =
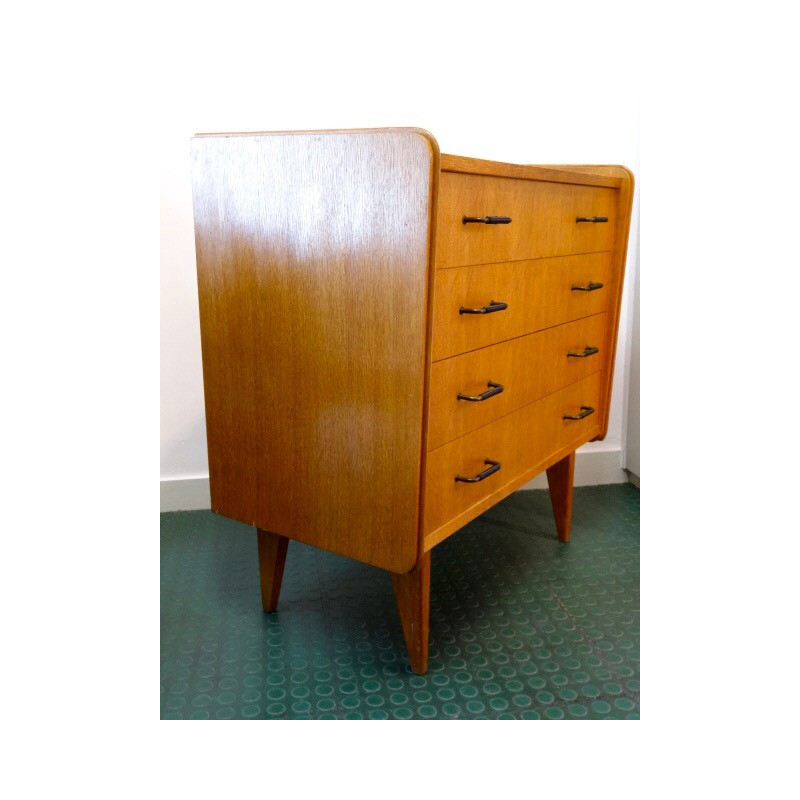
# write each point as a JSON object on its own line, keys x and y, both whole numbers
{"x": 516, "y": 442}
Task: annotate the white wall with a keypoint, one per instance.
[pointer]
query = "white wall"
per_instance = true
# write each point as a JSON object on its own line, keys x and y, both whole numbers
{"x": 632, "y": 444}
{"x": 495, "y": 108}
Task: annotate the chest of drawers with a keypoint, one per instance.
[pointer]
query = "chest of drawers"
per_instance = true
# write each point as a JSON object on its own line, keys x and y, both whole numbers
{"x": 396, "y": 339}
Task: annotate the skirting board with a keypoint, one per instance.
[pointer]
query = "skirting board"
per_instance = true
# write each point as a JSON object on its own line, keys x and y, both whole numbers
{"x": 593, "y": 467}
{"x": 185, "y": 494}
{"x": 598, "y": 465}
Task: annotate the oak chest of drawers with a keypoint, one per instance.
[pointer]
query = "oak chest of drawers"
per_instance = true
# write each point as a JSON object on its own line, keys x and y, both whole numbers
{"x": 396, "y": 339}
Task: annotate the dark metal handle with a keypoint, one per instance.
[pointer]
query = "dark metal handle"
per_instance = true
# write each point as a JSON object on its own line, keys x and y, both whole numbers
{"x": 490, "y": 309}
{"x": 487, "y": 220}
{"x": 481, "y": 475}
{"x": 494, "y": 388}
{"x": 590, "y": 288}
{"x": 587, "y": 351}
{"x": 591, "y": 219}
{"x": 585, "y": 411}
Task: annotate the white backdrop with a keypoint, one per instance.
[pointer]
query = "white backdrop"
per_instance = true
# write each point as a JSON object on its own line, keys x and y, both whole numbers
{"x": 489, "y": 108}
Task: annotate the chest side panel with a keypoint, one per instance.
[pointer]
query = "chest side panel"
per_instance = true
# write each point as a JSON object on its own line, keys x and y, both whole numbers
{"x": 312, "y": 259}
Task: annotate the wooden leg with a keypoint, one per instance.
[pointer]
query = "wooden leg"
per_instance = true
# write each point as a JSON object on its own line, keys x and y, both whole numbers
{"x": 271, "y": 560}
{"x": 413, "y": 593}
{"x": 560, "y": 478}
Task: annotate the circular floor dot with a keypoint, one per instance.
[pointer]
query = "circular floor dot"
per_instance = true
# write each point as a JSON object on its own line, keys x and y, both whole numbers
{"x": 521, "y": 700}
{"x": 201, "y": 700}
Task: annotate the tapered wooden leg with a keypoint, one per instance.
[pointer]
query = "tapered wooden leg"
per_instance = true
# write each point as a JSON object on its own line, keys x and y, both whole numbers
{"x": 560, "y": 478}
{"x": 413, "y": 593}
{"x": 271, "y": 560}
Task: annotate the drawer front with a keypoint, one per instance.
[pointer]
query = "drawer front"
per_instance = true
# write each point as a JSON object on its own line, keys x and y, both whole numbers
{"x": 538, "y": 294}
{"x": 543, "y": 219}
{"x": 510, "y": 375}
{"x": 518, "y": 442}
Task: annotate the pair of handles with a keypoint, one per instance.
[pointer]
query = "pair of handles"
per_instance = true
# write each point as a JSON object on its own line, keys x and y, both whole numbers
{"x": 495, "y": 305}
{"x": 494, "y": 466}
{"x": 497, "y": 388}
{"x": 507, "y": 220}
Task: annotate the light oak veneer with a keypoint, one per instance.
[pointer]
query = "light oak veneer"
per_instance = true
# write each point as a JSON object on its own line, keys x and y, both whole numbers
{"x": 332, "y": 269}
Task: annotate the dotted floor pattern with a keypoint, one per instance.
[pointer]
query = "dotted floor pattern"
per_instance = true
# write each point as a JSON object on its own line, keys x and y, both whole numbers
{"x": 522, "y": 626}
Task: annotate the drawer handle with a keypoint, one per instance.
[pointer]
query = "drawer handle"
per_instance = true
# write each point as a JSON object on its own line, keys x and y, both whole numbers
{"x": 481, "y": 475}
{"x": 487, "y": 220}
{"x": 585, "y": 411}
{"x": 490, "y": 309}
{"x": 494, "y": 388}
{"x": 590, "y": 288}
{"x": 591, "y": 219}
{"x": 587, "y": 351}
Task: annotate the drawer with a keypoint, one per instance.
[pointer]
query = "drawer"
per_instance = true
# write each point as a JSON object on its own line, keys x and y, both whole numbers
{"x": 538, "y": 294}
{"x": 543, "y": 219}
{"x": 517, "y": 442}
{"x": 512, "y": 374}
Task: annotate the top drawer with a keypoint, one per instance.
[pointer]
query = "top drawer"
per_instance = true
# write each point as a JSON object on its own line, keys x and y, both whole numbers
{"x": 543, "y": 219}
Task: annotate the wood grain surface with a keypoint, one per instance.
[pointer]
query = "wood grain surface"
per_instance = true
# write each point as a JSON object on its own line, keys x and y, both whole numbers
{"x": 580, "y": 176}
{"x": 412, "y": 591}
{"x": 312, "y": 258}
{"x": 543, "y": 219}
{"x": 271, "y": 562}
{"x": 527, "y": 368}
{"x": 560, "y": 478}
{"x": 519, "y": 442}
{"x": 538, "y": 293}
{"x": 619, "y": 256}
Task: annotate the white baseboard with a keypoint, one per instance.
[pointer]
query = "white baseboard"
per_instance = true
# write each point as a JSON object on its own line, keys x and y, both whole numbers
{"x": 185, "y": 494}
{"x": 592, "y": 468}
{"x": 595, "y": 467}
{"x": 633, "y": 478}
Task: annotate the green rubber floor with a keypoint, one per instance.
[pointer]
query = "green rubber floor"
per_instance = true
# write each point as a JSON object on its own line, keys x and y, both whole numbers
{"x": 522, "y": 627}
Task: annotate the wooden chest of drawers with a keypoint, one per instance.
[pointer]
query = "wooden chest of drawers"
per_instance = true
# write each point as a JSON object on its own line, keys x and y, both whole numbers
{"x": 395, "y": 339}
